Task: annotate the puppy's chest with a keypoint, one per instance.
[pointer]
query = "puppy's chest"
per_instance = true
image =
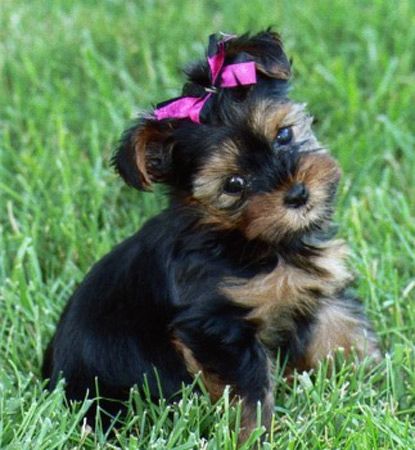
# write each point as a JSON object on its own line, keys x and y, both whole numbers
{"x": 295, "y": 287}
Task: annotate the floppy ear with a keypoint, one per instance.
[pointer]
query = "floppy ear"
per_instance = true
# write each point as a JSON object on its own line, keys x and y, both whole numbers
{"x": 266, "y": 49}
{"x": 144, "y": 153}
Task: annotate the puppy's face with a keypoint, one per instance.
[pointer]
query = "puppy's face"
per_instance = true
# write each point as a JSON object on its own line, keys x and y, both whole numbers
{"x": 269, "y": 178}
{"x": 265, "y": 175}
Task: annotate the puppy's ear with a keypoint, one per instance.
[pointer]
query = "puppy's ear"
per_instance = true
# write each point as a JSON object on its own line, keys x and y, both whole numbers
{"x": 144, "y": 153}
{"x": 266, "y": 49}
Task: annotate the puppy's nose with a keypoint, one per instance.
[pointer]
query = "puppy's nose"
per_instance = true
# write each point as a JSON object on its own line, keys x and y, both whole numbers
{"x": 296, "y": 196}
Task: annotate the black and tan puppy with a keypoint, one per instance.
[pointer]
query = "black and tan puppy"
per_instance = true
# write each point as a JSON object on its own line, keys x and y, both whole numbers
{"x": 239, "y": 268}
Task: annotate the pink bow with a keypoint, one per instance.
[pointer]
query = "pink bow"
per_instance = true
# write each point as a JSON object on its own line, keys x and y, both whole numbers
{"x": 222, "y": 76}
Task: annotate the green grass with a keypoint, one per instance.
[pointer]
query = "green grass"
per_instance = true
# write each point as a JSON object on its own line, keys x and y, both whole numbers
{"x": 72, "y": 74}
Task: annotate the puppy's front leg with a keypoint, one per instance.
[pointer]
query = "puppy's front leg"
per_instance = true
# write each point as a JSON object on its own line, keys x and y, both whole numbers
{"x": 216, "y": 340}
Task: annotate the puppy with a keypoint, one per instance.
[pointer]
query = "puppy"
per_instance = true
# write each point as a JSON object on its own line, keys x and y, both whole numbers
{"x": 239, "y": 268}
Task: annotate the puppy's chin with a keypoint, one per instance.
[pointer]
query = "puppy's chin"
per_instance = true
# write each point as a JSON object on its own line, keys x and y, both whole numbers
{"x": 299, "y": 205}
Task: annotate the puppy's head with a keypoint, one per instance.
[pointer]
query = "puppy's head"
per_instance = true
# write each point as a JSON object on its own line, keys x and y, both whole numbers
{"x": 265, "y": 175}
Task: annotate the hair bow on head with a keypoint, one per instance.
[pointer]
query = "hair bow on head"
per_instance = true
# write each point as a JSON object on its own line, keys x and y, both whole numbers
{"x": 221, "y": 75}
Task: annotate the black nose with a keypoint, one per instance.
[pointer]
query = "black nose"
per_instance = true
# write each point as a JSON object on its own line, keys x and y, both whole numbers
{"x": 296, "y": 196}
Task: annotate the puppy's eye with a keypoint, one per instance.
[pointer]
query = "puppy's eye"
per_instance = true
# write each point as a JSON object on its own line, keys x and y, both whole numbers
{"x": 234, "y": 185}
{"x": 284, "y": 136}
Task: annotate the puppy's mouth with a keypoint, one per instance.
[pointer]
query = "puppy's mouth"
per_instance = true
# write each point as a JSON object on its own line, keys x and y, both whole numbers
{"x": 300, "y": 204}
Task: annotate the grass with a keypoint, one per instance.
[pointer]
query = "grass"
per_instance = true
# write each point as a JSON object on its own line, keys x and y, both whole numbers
{"x": 72, "y": 74}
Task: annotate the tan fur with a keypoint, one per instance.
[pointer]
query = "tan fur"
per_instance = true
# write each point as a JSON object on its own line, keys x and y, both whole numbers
{"x": 211, "y": 381}
{"x": 140, "y": 142}
{"x": 216, "y": 388}
{"x": 146, "y": 141}
{"x": 267, "y": 217}
{"x": 336, "y": 327}
{"x": 274, "y": 296}
{"x": 267, "y": 117}
{"x": 208, "y": 187}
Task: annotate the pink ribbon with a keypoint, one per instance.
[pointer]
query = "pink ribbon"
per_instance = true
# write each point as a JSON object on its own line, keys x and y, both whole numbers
{"x": 231, "y": 75}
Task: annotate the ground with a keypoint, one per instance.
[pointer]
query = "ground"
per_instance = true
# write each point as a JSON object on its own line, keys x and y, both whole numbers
{"x": 72, "y": 75}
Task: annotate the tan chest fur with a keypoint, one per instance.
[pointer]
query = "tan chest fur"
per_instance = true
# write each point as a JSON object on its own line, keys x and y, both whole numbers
{"x": 292, "y": 287}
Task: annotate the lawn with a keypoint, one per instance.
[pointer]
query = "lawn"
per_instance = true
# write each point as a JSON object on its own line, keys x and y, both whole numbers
{"x": 72, "y": 75}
